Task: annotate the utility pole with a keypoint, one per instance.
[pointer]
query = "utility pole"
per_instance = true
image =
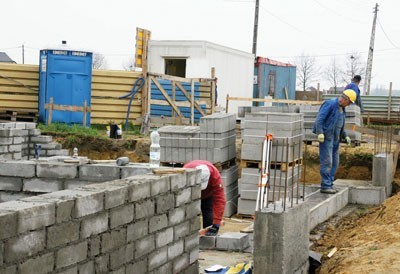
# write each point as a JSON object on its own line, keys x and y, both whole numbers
{"x": 23, "y": 54}
{"x": 367, "y": 82}
{"x": 255, "y": 28}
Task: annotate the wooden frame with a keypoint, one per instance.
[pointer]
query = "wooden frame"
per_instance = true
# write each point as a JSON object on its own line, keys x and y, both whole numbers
{"x": 51, "y": 106}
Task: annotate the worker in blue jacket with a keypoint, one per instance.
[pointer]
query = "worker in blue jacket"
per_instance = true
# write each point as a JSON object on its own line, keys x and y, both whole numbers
{"x": 355, "y": 82}
{"x": 329, "y": 126}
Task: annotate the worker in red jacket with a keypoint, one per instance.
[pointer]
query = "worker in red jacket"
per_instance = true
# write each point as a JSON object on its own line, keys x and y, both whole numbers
{"x": 212, "y": 195}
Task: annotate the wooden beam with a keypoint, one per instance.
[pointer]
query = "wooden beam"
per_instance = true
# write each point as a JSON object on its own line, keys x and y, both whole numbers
{"x": 177, "y": 103}
{"x": 52, "y": 106}
{"x": 166, "y": 96}
{"x": 173, "y": 96}
{"x": 189, "y": 98}
{"x": 50, "y": 115}
{"x": 179, "y": 79}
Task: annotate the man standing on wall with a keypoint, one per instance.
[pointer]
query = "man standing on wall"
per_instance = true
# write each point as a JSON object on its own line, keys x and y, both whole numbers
{"x": 329, "y": 126}
{"x": 212, "y": 195}
{"x": 354, "y": 85}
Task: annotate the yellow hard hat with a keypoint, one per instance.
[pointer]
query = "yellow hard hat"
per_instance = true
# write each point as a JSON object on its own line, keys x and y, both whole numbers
{"x": 351, "y": 94}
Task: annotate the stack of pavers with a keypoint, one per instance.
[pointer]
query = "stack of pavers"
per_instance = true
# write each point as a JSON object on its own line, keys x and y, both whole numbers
{"x": 286, "y": 156}
{"x": 18, "y": 139}
{"x": 353, "y": 117}
{"x": 214, "y": 140}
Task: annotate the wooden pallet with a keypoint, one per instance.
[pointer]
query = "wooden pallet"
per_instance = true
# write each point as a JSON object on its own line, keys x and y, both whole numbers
{"x": 274, "y": 165}
{"x": 14, "y": 116}
{"x": 219, "y": 166}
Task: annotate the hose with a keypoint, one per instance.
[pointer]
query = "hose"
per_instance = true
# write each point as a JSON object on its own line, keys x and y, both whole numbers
{"x": 137, "y": 85}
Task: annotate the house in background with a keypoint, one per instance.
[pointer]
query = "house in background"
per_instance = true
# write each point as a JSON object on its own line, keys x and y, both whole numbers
{"x": 194, "y": 59}
{"x": 275, "y": 79}
{"x": 4, "y": 58}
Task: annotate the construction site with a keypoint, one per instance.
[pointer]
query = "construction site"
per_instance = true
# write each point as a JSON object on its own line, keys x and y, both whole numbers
{"x": 201, "y": 159}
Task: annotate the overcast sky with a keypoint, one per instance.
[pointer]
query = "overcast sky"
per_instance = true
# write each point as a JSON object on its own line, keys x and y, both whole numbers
{"x": 287, "y": 28}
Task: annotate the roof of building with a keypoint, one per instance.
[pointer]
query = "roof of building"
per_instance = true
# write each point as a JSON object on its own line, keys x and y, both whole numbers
{"x": 273, "y": 62}
{"x": 4, "y": 58}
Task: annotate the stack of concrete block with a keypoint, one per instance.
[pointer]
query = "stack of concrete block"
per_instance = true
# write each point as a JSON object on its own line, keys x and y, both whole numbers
{"x": 230, "y": 178}
{"x": 248, "y": 187}
{"x": 214, "y": 140}
{"x": 229, "y": 241}
{"x": 353, "y": 117}
{"x": 284, "y": 109}
{"x": 310, "y": 114}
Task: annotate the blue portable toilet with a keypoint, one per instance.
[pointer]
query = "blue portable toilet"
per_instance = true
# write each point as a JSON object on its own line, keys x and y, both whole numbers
{"x": 271, "y": 78}
{"x": 66, "y": 76}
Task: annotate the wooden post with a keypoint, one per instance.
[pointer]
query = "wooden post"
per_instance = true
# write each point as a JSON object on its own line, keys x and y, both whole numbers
{"x": 368, "y": 119}
{"x": 147, "y": 83}
{"x": 84, "y": 113}
{"x": 50, "y": 116}
{"x": 390, "y": 101}
{"x": 173, "y": 96}
{"x": 148, "y": 96}
{"x": 192, "y": 103}
{"x": 318, "y": 92}
{"x": 227, "y": 103}
{"x": 213, "y": 87}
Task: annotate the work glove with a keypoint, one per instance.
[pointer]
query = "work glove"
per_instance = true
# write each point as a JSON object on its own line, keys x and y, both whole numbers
{"x": 213, "y": 230}
{"x": 321, "y": 138}
{"x": 348, "y": 140}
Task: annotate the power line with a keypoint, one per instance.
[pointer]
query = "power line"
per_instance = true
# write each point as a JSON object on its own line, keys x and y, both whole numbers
{"x": 11, "y": 48}
{"x": 387, "y": 37}
{"x": 338, "y": 13}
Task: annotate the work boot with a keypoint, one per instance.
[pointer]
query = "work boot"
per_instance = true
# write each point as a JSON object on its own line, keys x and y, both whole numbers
{"x": 328, "y": 190}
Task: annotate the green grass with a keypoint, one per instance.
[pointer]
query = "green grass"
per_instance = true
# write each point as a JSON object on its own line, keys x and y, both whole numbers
{"x": 69, "y": 129}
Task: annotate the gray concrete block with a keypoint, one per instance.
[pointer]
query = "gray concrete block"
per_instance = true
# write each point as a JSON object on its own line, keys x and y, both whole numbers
{"x": 382, "y": 171}
{"x": 23, "y": 169}
{"x": 14, "y": 148}
{"x": 158, "y": 257}
{"x": 6, "y": 140}
{"x": 57, "y": 170}
{"x": 231, "y": 207}
{"x": 8, "y": 224}
{"x": 26, "y": 245}
{"x": 193, "y": 209}
{"x": 178, "y": 181}
{"x": 71, "y": 255}
{"x": 137, "y": 267}
{"x": 41, "y": 139}
{"x": 62, "y": 234}
{"x": 144, "y": 246}
{"x": 42, "y": 185}
{"x": 94, "y": 246}
{"x": 94, "y": 225}
{"x": 158, "y": 222}
{"x": 113, "y": 239}
{"x": 137, "y": 230}
{"x": 100, "y": 173}
{"x": 180, "y": 263}
{"x": 34, "y": 132}
{"x": 137, "y": 169}
{"x": 194, "y": 256}
{"x": 196, "y": 192}
{"x": 207, "y": 242}
{"x": 144, "y": 209}
{"x": 183, "y": 196}
{"x": 57, "y": 152}
{"x": 121, "y": 215}
{"x": 11, "y": 132}
{"x": 139, "y": 190}
{"x": 246, "y": 207}
{"x": 10, "y": 183}
{"x": 182, "y": 230}
{"x": 31, "y": 215}
{"x": 121, "y": 256}
{"x": 175, "y": 250}
{"x": 164, "y": 237}
{"x": 86, "y": 268}
{"x": 165, "y": 203}
{"x": 101, "y": 263}
{"x": 230, "y": 175}
{"x": 232, "y": 241}
{"x": 40, "y": 265}
{"x": 12, "y": 196}
{"x": 193, "y": 177}
{"x": 192, "y": 241}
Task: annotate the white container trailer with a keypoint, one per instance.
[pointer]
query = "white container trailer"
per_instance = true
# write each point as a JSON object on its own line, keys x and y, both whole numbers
{"x": 194, "y": 59}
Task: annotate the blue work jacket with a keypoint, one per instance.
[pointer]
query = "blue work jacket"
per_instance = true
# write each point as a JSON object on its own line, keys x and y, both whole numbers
{"x": 354, "y": 87}
{"x": 327, "y": 120}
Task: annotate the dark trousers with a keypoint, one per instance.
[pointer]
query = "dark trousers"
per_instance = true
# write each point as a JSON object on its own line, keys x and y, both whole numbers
{"x": 207, "y": 211}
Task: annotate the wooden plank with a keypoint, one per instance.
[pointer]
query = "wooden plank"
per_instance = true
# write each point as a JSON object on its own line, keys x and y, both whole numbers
{"x": 19, "y": 104}
{"x": 177, "y": 103}
{"x": 53, "y": 106}
{"x": 19, "y": 74}
{"x": 192, "y": 103}
{"x": 18, "y": 90}
{"x": 85, "y": 109}
{"x": 112, "y": 94}
{"x": 31, "y": 110}
{"x": 190, "y": 98}
{"x": 113, "y": 115}
{"x": 114, "y": 108}
{"x": 19, "y": 97}
{"x": 50, "y": 116}
{"x": 19, "y": 67}
{"x": 166, "y": 96}
{"x": 116, "y": 87}
{"x": 20, "y": 82}
{"x": 275, "y": 100}
{"x": 111, "y": 80}
{"x": 109, "y": 101}
{"x": 116, "y": 73}
{"x": 173, "y": 78}
{"x": 174, "y": 95}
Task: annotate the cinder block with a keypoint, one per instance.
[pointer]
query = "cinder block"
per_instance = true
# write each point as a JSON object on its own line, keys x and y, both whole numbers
{"x": 176, "y": 216}
{"x": 193, "y": 177}
{"x": 158, "y": 258}
{"x": 94, "y": 246}
{"x": 88, "y": 203}
{"x": 42, "y": 185}
{"x": 207, "y": 242}
{"x": 129, "y": 171}
{"x": 94, "y": 225}
{"x": 196, "y": 192}
{"x": 71, "y": 255}
{"x": 75, "y": 183}
{"x": 113, "y": 239}
{"x": 158, "y": 222}
{"x": 24, "y": 169}
{"x": 121, "y": 256}
{"x": 164, "y": 203}
{"x": 14, "y": 148}
{"x": 183, "y": 197}
{"x": 138, "y": 190}
{"x": 86, "y": 268}
{"x": 180, "y": 263}
{"x": 144, "y": 246}
{"x": 6, "y": 140}
{"x": 182, "y": 230}
{"x": 164, "y": 237}
{"x": 137, "y": 267}
{"x": 121, "y": 215}
{"x": 175, "y": 250}
{"x": 19, "y": 141}
{"x": 62, "y": 234}
{"x": 192, "y": 241}
{"x": 34, "y": 132}
{"x": 12, "y": 196}
{"x": 40, "y": 265}
{"x": 11, "y": 132}
{"x": 193, "y": 209}
{"x": 137, "y": 230}
{"x": 41, "y": 139}
{"x": 115, "y": 192}
{"x": 8, "y": 224}
{"x": 195, "y": 224}
{"x": 178, "y": 181}
{"x": 31, "y": 215}
{"x": 101, "y": 173}
{"x": 10, "y": 183}
{"x": 232, "y": 241}
{"x": 26, "y": 245}
{"x": 144, "y": 209}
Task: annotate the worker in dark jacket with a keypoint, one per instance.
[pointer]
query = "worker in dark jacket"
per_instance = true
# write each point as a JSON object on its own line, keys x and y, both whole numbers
{"x": 212, "y": 195}
{"x": 355, "y": 82}
{"x": 329, "y": 126}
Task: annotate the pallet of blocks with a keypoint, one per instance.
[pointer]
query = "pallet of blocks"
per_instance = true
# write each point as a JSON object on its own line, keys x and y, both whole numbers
{"x": 230, "y": 178}
{"x": 285, "y": 157}
{"x": 214, "y": 140}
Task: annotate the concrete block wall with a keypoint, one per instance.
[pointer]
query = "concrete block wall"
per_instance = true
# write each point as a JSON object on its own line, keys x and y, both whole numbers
{"x": 143, "y": 224}
{"x": 17, "y": 141}
{"x": 19, "y": 179}
{"x": 214, "y": 140}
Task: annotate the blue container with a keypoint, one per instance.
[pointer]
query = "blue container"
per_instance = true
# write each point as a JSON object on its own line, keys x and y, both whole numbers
{"x": 65, "y": 76}
{"x": 272, "y": 78}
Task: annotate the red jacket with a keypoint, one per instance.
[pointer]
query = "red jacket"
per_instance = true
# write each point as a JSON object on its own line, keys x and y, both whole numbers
{"x": 214, "y": 188}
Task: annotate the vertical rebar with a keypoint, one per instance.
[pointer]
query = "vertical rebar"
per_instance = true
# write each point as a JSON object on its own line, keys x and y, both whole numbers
{"x": 286, "y": 172}
{"x": 298, "y": 175}
{"x": 280, "y": 172}
{"x": 294, "y": 162}
{"x": 304, "y": 170}
{"x": 274, "y": 188}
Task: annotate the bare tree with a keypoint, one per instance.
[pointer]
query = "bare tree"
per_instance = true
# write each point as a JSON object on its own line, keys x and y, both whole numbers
{"x": 334, "y": 75}
{"x": 99, "y": 61}
{"x": 306, "y": 70}
{"x": 354, "y": 66}
{"x": 129, "y": 65}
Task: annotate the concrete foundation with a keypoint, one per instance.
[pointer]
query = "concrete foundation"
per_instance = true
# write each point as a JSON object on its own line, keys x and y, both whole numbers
{"x": 281, "y": 241}
{"x": 382, "y": 171}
